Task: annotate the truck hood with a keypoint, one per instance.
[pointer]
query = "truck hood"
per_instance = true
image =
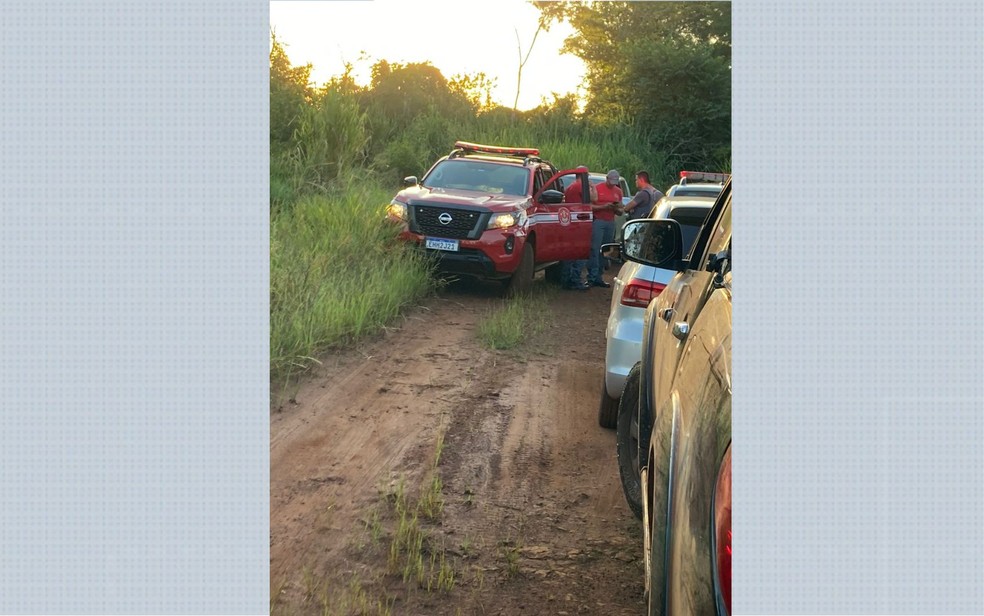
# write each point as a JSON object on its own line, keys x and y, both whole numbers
{"x": 421, "y": 195}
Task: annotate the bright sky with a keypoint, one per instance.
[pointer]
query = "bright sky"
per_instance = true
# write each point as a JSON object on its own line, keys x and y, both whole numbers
{"x": 457, "y": 37}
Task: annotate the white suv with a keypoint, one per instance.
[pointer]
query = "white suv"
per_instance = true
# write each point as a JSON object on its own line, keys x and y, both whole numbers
{"x": 632, "y": 289}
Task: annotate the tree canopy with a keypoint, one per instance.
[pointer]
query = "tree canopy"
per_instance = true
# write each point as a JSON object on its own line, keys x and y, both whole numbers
{"x": 290, "y": 90}
{"x": 658, "y": 97}
{"x": 662, "y": 66}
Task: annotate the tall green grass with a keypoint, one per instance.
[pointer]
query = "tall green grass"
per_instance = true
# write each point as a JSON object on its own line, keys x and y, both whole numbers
{"x": 337, "y": 271}
{"x": 329, "y": 140}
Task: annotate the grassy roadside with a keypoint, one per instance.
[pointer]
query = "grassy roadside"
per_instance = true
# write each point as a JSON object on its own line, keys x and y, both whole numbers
{"x": 336, "y": 272}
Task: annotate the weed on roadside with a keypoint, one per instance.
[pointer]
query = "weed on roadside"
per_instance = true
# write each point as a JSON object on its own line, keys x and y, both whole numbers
{"x": 513, "y": 321}
{"x": 416, "y": 561}
{"x": 466, "y": 547}
{"x": 353, "y": 599}
{"x": 431, "y": 500}
{"x": 310, "y": 582}
{"x": 442, "y": 575}
{"x": 412, "y": 554}
{"x": 398, "y": 497}
{"x": 439, "y": 449}
{"x": 509, "y": 551}
{"x": 373, "y": 526}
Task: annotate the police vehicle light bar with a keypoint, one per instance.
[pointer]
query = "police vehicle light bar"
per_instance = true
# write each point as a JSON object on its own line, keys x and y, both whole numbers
{"x": 494, "y": 149}
{"x": 702, "y": 176}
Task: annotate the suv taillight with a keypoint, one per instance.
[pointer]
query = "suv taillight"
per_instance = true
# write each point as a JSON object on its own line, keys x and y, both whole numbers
{"x": 638, "y": 292}
{"x": 722, "y": 532}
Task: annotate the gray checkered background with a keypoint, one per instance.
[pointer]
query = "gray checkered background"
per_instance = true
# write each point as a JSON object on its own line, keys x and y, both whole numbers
{"x": 859, "y": 309}
{"x": 134, "y": 462}
{"x": 134, "y": 283}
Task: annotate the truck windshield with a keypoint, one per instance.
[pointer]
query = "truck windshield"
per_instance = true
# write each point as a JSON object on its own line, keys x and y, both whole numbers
{"x": 479, "y": 176}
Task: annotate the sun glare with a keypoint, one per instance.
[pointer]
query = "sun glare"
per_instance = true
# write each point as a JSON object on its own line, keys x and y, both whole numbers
{"x": 485, "y": 36}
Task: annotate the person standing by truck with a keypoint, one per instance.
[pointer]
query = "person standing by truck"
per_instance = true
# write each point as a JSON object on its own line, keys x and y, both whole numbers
{"x": 609, "y": 203}
{"x": 570, "y": 271}
{"x": 646, "y": 196}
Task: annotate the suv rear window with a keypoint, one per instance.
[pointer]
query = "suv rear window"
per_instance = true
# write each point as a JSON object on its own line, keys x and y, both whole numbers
{"x": 479, "y": 176}
{"x": 691, "y": 219}
{"x": 693, "y": 191}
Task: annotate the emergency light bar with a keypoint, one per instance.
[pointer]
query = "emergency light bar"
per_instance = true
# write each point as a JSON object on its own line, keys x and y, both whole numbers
{"x": 494, "y": 149}
{"x": 702, "y": 176}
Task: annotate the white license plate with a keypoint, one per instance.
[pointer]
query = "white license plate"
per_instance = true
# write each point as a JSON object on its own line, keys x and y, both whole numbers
{"x": 439, "y": 244}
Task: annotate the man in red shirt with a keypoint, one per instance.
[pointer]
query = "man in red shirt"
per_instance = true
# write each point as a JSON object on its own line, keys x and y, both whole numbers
{"x": 573, "y": 192}
{"x": 608, "y": 204}
{"x": 570, "y": 271}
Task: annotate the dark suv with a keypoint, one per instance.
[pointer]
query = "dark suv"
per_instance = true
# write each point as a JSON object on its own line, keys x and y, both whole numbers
{"x": 496, "y": 213}
{"x": 674, "y": 438}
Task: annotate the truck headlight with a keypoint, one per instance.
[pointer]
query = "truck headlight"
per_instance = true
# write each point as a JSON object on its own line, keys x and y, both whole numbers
{"x": 508, "y": 219}
{"x": 396, "y": 211}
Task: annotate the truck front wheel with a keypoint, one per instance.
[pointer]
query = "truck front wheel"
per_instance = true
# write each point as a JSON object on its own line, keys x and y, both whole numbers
{"x": 521, "y": 282}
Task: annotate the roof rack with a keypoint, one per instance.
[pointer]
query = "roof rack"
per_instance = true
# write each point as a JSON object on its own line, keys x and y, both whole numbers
{"x": 703, "y": 176}
{"x": 462, "y": 148}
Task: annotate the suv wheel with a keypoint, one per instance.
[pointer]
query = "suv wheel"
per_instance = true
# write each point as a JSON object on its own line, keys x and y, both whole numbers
{"x": 521, "y": 282}
{"x": 607, "y": 408}
{"x": 627, "y": 442}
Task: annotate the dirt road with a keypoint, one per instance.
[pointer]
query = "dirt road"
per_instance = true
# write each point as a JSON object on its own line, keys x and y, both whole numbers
{"x": 423, "y": 473}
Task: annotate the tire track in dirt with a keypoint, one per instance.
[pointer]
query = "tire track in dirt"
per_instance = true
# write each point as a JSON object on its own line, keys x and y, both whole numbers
{"x": 555, "y": 505}
{"x": 353, "y": 426}
{"x": 533, "y": 521}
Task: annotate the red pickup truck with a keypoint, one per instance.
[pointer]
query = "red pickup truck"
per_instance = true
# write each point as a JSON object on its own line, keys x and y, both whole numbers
{"x": 495, "y": 213}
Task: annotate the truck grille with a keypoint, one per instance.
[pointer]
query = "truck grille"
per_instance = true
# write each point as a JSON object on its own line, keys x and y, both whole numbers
{"x": 462, "y": 223}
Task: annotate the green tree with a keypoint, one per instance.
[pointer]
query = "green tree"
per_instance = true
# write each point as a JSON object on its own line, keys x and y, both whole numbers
{"x": 318, "y": 138}
{"x": 290, "y": 92}
{"x": 427, "y": 137}
{"x": 476, "y": 88}
{"x": 412, "y": 107}
{"x": 664, "y": 67}
{"x": 685, "y": 105}
{"x": 557, "y": 119}
{"x": 402, "y": 92}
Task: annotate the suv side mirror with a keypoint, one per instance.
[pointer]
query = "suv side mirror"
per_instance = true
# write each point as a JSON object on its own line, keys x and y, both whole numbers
{"x": 410, "y": 180}
{"x": 552, "y": 197}
{"x": 656, "y": 242}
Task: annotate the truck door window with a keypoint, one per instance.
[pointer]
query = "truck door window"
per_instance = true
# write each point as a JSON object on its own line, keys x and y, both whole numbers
{"x": 557, "y": 185}
{"x": 537, "y": 180}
